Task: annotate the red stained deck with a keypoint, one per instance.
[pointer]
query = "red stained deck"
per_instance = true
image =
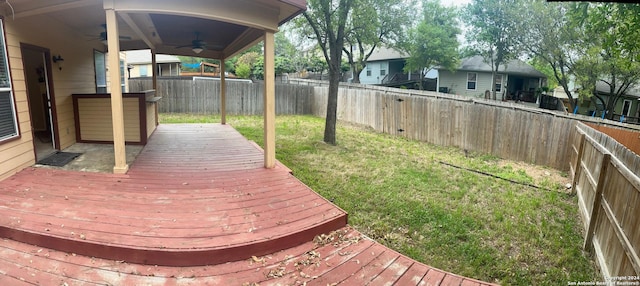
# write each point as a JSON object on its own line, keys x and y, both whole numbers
{"x": 196, "y": 208}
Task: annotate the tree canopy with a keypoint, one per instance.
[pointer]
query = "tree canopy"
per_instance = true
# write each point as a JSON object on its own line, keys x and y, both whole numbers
{"x": 434, "y": 41}
{"x": 496, "y": 31}
{"x": 373, "y": 24}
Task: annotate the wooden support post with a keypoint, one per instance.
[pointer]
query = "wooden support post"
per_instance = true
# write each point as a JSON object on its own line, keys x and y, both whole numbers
{"x": 578, "y": 167}
{"x": 597, "y": 201}
{"x": 117, "y": 110}
{"x": 154, "y": 67}
{"x": 223, "y": 93}
{"x": 269, "y": 101}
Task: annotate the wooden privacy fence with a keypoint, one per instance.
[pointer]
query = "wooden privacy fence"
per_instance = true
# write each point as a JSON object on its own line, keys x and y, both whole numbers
{"x": 626, "y": 137}
{"x": 504, "y": 130}
{"x": 202, "y": 96}
{"x": 608, "y": 188}
{"x": 604, "y": 171}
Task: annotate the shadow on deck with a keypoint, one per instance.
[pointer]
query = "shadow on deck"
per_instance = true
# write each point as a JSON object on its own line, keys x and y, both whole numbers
{"x": 196, "y": 207}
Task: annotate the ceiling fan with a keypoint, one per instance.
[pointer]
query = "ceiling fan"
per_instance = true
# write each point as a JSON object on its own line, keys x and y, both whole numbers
{"x": 197, "y": 45}
{"x": 103, "y": 35}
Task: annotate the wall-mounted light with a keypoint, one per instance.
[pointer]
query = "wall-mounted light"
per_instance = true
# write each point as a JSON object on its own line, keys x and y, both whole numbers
{"x": 58, "y": 60}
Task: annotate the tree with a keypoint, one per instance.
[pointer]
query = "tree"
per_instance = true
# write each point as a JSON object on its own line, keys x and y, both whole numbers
{"x": 243, "y": 70}
{"x": 553, "y": 39}
{"x": 434, "y": 41}
{"x": 328, "y": 19}
{"x": 614, "y": 57}
{"x": 374, "y": 23}
{"x": 546, "y": 69}
{"x": 495, "y": 31}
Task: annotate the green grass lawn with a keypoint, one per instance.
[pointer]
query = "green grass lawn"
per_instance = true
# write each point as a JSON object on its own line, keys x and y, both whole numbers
{"x": 398, "y": 192}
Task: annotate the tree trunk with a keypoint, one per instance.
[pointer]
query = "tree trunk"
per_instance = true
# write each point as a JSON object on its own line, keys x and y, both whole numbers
{"x": 332, "y": 108}
{"x": 493, "y": 84}
{"x": 356, "y": 73}
{"x": 611, "y": 106}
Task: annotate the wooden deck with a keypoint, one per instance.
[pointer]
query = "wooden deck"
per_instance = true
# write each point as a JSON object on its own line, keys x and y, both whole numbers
{"x": 196, "y": 208}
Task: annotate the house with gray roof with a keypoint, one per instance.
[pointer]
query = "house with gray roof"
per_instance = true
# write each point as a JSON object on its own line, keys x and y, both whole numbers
{"x": 385, "y": 67}
{"x": 382, "y": 64}
{"x": 139, "y": 64}
{"x": 474, "y": 77}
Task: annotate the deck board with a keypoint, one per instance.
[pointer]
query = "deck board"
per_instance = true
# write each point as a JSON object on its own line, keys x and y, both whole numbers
{"x": 194, "y": 193}
{"x": 197, "y": 208}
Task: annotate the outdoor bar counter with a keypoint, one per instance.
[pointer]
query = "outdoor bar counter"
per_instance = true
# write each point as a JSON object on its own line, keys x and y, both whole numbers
{"x": 92, "y": 115}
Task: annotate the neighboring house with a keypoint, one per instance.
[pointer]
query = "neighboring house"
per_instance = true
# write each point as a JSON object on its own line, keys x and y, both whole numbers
{"x": 55, "y": 74}
{"x": 627, "y": 107}
{"x": 382, "y": 65}
{"x": 474, "y": 78}
{"x": 139, "y": 64}
{"x": 385, "y": 67}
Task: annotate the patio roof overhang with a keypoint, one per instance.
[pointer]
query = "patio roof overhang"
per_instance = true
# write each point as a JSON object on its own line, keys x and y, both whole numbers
{"x": 167, "y": 26}
{"x": 218, "y": 28}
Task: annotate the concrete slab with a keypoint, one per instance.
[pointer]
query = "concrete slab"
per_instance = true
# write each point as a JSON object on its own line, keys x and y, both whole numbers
{"x": 95, "y": 157}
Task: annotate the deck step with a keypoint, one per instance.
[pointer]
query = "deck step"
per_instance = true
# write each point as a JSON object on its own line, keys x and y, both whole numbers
{"x": 343, "y": 257}
{"x": 196, "y": 195}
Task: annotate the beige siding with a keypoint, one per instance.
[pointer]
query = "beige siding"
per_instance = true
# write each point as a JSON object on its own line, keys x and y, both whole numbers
{"x": 123, "y": 57}
{"x": 457, "y": 83}
{"x": 135, "y": 71}
{"x": 76, "y": 76}
{"x": 95, "y": 118}
{"x": 151, "y": 118}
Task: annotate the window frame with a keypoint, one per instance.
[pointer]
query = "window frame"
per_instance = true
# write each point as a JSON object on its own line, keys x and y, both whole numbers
{"x": 498, "y": 86}
{"x": 368, "y": 71}
{"x": 9, "y": 89}
{"x": 475, "y": 81}
{"x": 143, "y": 71}
{"x": 628, "y": 110}
{"x": 123, "y": 78}
{"x": 100, "y": 88}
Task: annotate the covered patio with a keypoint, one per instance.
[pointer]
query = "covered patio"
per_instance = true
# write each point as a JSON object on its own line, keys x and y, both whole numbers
{"x": 197, "y": 207}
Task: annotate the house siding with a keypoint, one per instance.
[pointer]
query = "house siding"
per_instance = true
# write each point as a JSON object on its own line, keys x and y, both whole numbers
{"x": 375, "y": 77}
{"x": 168, "y": 69}
{"x": 151, "y": 118}
{"x": 76, "y": 76}
{"x": 456, "y": 82}
{"x": 95, "y": 115}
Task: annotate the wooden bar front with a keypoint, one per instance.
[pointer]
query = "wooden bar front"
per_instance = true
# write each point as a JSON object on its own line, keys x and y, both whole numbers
{"x": 92, "y": 115}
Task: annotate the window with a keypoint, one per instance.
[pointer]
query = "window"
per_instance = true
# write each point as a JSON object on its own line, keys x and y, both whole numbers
{"x": 8, "y": 118}
{"x": 143, "y": 71}
{"x": 101, "y": 71}
{"x": 368, "y": 71}
{"x": 383, "y": 72}
{"x": 471, "y": 80}
{"x": 499, "y": 82}
{"x": 122, "y": 83}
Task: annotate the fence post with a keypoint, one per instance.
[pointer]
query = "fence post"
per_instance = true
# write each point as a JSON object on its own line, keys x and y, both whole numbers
{"x": 595, "y": 210}
{"x": 578, "y": 166}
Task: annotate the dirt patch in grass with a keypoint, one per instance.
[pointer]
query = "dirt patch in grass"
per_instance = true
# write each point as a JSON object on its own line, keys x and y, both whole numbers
{"x": 545, "y": 175}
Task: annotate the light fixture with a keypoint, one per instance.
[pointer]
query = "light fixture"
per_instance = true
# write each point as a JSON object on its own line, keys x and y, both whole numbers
{"x": 58, "y": 60}
{"x": 197, "y": 49}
